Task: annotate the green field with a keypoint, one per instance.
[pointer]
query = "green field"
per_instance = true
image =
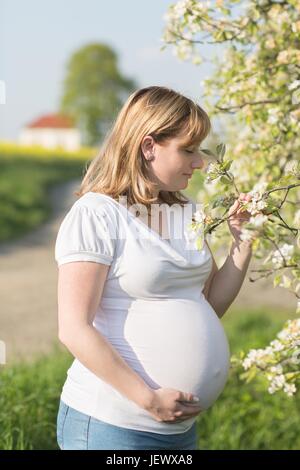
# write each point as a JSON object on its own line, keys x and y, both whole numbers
{"x": 244, "y": 417}
{"x": 25, "y": 178}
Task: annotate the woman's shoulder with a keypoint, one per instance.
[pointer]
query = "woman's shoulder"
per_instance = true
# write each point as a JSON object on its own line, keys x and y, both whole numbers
{"x": 97, "y": 203}
{"x": 88, "y": 232}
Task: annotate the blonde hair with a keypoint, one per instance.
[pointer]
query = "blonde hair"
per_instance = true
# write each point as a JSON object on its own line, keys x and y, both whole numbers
{"x": 120, "y": 168}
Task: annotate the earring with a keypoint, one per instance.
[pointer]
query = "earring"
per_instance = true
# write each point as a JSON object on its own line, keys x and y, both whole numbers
{"x": 150, "y": 158}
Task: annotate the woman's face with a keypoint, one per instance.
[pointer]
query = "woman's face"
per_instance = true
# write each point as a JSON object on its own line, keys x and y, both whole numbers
{"x": 173, "y": 162}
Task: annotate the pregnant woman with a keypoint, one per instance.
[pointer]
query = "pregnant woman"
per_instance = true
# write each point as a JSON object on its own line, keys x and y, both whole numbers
{"x": 139, "y": 306}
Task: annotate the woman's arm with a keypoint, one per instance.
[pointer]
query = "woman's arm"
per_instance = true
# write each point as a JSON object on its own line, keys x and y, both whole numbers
{"x": 80, "y": 287}
{"x": 225, "y": 283}
{"x": 214, "y": 270}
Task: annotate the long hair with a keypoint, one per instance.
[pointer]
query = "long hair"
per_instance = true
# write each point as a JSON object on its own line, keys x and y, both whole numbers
{"x": 120, "y": 168}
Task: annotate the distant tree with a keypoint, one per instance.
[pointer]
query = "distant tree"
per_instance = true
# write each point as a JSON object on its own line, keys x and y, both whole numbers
{"x": 94, "y": 90}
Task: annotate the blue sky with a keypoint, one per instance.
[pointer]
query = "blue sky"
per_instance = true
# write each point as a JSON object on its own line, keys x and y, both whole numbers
{"x": 38, "y": 37}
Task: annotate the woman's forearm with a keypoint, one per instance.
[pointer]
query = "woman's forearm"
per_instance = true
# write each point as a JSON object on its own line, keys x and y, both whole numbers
{"x": 228, "y": 280}
{"x": 99, "y": 356}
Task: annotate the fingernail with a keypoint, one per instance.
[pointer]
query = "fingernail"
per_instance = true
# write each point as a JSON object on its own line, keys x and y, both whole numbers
{"x": 195, "y": 399}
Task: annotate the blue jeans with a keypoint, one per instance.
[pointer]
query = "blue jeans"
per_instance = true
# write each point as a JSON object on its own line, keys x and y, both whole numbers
{"x": 78, "y": 431}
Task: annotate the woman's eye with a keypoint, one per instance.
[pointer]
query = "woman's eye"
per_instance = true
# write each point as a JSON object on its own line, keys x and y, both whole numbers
{"x": 190, "y": 151}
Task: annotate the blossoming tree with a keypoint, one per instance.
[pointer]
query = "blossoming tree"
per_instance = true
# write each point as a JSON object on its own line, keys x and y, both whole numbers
{"x": 257, "y": 85}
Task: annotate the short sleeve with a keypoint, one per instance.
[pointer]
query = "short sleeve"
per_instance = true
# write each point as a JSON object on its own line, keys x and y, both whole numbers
{"x": 85, "y": 234}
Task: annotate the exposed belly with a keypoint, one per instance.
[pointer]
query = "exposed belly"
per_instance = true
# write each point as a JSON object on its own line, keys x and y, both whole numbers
{"x": 178, "y": 343}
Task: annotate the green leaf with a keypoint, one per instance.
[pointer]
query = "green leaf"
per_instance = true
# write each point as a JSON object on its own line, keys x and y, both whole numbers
{"x": 286, "y": 281}
{"x": 251, "y": 375}
{"x": 221, "y": 149}
{"x": 226, "y": 165}
{"x": 208, "y": 152}
{"x": 255, "y": 245}
{"x": 277, "y": 280}
{"x": 224, "y": 179}
{"x": 225, "y": 11}
{"x": 217, "y": 201}
{"x": 199, "y": 243}
{"x": 213, "y": 176}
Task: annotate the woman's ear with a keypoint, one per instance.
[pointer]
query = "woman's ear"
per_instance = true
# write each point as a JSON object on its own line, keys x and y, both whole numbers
{"x": 147, "y": 146}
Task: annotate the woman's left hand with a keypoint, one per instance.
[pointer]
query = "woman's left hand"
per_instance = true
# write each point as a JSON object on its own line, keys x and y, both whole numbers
{"x": 238, "y": 215}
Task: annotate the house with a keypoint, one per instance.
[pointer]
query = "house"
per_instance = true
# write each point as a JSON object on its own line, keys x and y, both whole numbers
{"x": 51, "y": 131}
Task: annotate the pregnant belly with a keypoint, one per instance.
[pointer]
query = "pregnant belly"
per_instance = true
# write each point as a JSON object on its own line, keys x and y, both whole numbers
{"x": 180, "y": 344}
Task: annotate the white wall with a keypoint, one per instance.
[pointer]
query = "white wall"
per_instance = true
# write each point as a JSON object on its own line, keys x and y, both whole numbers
{"x": 68, "y": 139}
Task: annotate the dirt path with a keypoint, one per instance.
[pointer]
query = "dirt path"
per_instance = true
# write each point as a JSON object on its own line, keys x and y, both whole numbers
{"x": 28, "y": 283}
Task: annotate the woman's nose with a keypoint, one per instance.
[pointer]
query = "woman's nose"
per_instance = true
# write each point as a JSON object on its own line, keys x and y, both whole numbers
{"x": 199, "y": 164}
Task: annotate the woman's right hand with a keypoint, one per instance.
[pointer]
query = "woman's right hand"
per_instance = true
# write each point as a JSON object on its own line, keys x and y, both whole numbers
{"x": 172, "y": 406}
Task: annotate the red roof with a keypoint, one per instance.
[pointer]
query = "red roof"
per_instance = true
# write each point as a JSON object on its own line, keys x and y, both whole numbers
{"x": 56, "y": 121}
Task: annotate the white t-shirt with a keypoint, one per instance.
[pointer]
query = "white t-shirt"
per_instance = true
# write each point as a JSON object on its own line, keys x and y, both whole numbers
{"x": 152, "y": 311}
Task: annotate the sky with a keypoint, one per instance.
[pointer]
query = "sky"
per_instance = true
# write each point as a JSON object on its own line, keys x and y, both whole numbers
{"x": 38, "y": 37}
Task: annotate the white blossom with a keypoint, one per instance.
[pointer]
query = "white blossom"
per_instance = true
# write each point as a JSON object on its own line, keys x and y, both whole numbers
{"x": 246, "y": 235}
{"x": 296, "y": 220}
{"x": 195, "y": 27}
{"x": 256, "y": 205}
{"x": 277, "y": 345}
{"x": 296, "y": 27}
{"x": 213, "y": 167}
{"x": 180, "y": 8}
{"x": 295, "y": 359}
{"x": 284, "y": 334}
{"x": 283, "y": 57}
{"x": 269, "y": 350}
{"x": 291, "y": 330}
{"x": 277, "y": 369}
{"x": 278, "y": 381}
{"x": 254, "y": 356}
{"x": 273, "y": 116}
{"x": 199, "y": 216}
{"x": 294, "y": 85}
{"x": 290, "y": 389}
{"x": 183, "y": 50}
{"x": 260, "y": 187}
{"x": 258, "y": 220}
{"x": 284, "y": 252}
{"x": 291, "y": 166}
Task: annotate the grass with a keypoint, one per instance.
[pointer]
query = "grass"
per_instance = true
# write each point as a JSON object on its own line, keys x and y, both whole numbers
{"x": 244, "y": 417}
{"x": 29, "y": 395}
